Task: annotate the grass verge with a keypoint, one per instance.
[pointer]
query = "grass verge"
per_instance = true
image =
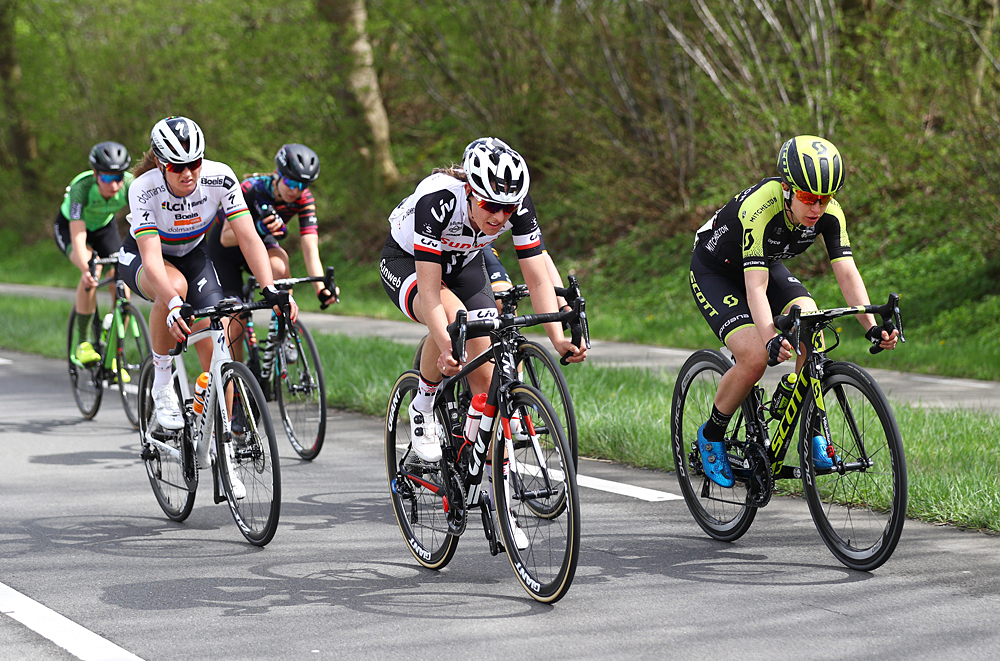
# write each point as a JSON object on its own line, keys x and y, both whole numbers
{"x": 623, "y": 414}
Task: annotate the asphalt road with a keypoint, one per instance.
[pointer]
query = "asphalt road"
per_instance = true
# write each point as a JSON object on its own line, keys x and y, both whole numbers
{"x": 81, "y": 534}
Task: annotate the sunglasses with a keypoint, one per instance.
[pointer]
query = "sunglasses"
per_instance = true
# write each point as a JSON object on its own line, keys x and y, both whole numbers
{"x": 493, "y": 207}
{"x": 111, "y": 178}
{"x": 294, "y": 185}
{"x": 810, "y": 199}
{"x": 177, "y": 168}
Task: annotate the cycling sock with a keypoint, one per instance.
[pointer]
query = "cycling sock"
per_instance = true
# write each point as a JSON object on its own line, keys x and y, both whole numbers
{"x": 161, "y": 376}
{"x": 715, "y": 428}
{"x": 83, "y": 322}
{"x": 424, "y": 399}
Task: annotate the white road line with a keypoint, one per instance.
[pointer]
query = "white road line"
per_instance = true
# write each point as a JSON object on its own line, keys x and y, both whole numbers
{"x": 642, "y": 493}
{"x": 78, "y": 641}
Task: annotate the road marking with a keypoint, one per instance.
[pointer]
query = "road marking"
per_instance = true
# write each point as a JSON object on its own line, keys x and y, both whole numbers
{"x": 953, "y": 382}
{"x": 78, "y": 641}
{"x": 6, "y": 361}
{"x": 620, "y": 488}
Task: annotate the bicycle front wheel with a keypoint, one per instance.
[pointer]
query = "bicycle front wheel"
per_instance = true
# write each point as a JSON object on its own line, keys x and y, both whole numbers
{"x": 540, "y": 370}
{"x": 418, "y": 491}
{"x": 247, "y": 457}
{"x": 537, "y": 473}
{"x": 859, "y": 505}
{"x": 167, "y": 455}
{"x": 85, "y": 378}
{"x": 722, "y": 513}
{"x": 131, "y": 348}
{"x": 301, "y": 392}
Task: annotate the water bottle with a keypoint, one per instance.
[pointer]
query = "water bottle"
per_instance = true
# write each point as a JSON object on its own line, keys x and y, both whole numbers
{"x": 782, "y": 395}
{"x": 106, "y": 325}
{"x": 199, "y": 393}
{"x": 474, "y": 417}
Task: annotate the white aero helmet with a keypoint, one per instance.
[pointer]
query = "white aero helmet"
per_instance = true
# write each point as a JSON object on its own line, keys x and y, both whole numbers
{"x": 496, "y": 172}
{"x": 177, "y": 140}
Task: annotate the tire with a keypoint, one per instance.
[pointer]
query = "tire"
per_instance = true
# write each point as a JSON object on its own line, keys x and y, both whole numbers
{"x": 540, "y": 370}
{"x": 173, "y": 485}
{"x": 131, "y": 350}
{"x": 86, "y": 380}
{"x": 860, "y": 513}
{"x": 419, "y": 511}
{"x": 252, "y": 458}
{"x": 722, "y": 513}
{"x": 301, "y": 391}
{"x": 545, "y": 569}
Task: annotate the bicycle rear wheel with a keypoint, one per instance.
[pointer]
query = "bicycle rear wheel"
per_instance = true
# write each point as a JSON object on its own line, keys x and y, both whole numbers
{"x": 722, "y": 513}
{"x": 539, "y": 474}
{"x": 85, "y": 378}
{"x": 417, "y": 489}
{"x": 540, "y": 369}
{"x": 249, "y": 460}
{"x": 131, "y": 348}
{"x": 859, "y": 512}
{"x": 168, "y": 456}
{"x": 301, "y": 391}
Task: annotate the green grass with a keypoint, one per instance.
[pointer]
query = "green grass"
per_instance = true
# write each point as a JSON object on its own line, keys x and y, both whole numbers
{"x": 623, "y": 414}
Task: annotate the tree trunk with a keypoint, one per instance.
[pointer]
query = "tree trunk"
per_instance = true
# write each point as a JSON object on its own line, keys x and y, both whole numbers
{"x": 985, "y": 37}
{"x": 20, "y": 147}
{"x": 351, "y": 17}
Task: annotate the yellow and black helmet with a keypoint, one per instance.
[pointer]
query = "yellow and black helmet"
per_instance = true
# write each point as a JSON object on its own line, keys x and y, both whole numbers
{"x": 811, "y": 164}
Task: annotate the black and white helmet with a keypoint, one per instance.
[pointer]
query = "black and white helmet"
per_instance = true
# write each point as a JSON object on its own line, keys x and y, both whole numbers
{"x": 109, "y": 157}
{"x": 177, "y": 140}
{"x": 495, "y": 171}
{"x": 298, "y": 163}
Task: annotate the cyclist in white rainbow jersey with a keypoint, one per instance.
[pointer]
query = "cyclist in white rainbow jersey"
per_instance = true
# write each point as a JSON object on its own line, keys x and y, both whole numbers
{"x": 173, "y": 202}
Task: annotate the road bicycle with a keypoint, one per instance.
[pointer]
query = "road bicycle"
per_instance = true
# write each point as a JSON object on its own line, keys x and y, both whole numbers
{"x": 532, "y": 478}
{"x": 292, "y": 372}
{"x": 121, "y": 338}
{"x": 536, "y": 366}
{"x": 859, "y": 503}
{"x": 232, "y": 435}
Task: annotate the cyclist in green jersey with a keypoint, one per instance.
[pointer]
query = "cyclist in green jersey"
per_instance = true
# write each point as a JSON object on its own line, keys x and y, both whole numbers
{"x": 84, "y": 223}
{"x": 740, "y": 283}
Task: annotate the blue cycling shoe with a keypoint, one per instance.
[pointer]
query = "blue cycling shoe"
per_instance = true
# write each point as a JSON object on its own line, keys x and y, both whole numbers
{"x": 714, "y": 460}
{"x": 823, "y": 453}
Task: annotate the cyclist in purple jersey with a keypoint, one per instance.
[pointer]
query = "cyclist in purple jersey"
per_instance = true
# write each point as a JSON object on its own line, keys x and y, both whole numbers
{"x": 273, "y": 199}
{"x": 740, "y": 284}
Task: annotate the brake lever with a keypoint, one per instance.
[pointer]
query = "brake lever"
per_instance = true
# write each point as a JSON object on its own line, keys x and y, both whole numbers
{"x": 458, "y": 331}
{"x": 331, "y": 283}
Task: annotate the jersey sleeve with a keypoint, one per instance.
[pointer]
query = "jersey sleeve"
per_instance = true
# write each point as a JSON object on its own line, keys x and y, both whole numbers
{"x": 755, "y": 212}
{"x": 430, "y": 217}
{"x": 834, "y": 230}
{"x": 307, "y": 214}
{"x": 79, "y": 193}
{"x": 233, "y": 203}
{"x": 527, "y": 235}
{"x": 142, "y": 210}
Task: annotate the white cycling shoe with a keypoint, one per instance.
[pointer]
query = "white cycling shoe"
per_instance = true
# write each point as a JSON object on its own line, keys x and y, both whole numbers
{"x": 520, "y": 539}
{"x": 168, "y": 411}
{"x": 425, "y": 435}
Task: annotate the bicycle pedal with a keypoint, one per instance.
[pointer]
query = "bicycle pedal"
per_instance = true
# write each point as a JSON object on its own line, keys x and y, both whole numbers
{"x": 148, "y": 453}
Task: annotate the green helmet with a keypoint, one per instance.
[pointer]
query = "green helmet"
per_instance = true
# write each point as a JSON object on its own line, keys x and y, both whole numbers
{"x": 811, "y": 164}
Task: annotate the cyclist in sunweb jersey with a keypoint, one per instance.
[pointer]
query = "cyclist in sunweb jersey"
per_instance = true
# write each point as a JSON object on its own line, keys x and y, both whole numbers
{"x": 173, "y": 202}
{"x": 432, "y": 265}
{"x": 273, "y": 200}
{"x": 85, "y": 223}
{"x": 740, "y": 283}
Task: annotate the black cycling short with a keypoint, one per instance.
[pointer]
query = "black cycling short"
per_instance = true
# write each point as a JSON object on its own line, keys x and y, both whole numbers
{"x": 722, "y": 298}
{"x": 204, "y": 289}
{"x": 105, "y": 240}
{"x": 494, "y": 267}
{"x": 230, "y": 264}
{"x": 469, "y": 284}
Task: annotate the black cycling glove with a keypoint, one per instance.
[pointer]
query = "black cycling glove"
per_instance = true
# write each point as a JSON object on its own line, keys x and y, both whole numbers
{"x": 874, "y": 334}
{"x": 773, "y": 347}
{"x": 326, "y": 297}
{"x": 275, "y": 298}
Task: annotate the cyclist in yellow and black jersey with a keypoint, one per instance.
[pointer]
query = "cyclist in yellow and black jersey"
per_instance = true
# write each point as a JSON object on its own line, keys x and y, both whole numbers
{"x": 740, "y": 283}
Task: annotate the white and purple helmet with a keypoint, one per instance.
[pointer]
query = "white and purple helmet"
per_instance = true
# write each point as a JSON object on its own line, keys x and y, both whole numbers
{"x": 495, "y": 171}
